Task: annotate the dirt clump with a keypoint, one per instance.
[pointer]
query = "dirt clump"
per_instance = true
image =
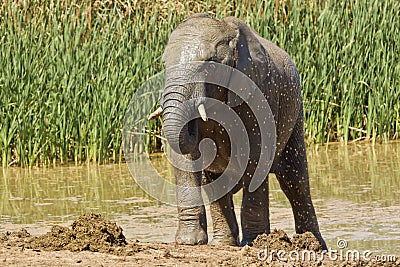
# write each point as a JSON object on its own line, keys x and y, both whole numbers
{"x": 279, "y": 240}
{"x": 306, "y": 241}
{"x": 14, "y": 238}
{"x": 58, "y": 238}
{"x": 91, "y": 232}
{"x": 276, "y": 240}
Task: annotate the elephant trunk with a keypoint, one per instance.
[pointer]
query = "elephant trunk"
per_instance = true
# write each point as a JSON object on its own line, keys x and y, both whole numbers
{"x": 179, "y": 129}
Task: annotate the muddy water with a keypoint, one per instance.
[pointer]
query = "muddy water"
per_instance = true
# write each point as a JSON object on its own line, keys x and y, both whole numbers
{"x": 356, "y": 192}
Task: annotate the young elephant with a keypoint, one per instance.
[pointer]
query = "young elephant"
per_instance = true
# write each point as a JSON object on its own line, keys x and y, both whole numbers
{"x": 231, "y": 42}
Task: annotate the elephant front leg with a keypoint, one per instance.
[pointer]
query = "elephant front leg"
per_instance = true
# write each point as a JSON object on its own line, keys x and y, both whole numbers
{"x": 225, "y": 227}
{"x": 192, "y": 223}
{"x": 254, "y": 212}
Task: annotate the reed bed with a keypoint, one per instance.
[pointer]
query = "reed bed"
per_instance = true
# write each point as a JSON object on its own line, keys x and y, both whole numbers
{"x": 69, "y": 68}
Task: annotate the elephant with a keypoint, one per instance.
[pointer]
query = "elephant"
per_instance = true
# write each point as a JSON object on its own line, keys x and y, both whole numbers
{"x": 229, "y": 41}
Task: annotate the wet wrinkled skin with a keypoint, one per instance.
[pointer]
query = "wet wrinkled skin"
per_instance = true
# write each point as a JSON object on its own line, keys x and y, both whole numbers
{"x": 231, "y": 42}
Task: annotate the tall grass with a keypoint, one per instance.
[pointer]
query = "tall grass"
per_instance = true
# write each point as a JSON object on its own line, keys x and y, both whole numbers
{"x": 68, "y": 68}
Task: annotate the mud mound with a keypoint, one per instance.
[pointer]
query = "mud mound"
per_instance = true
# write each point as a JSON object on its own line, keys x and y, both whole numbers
{"x": 91, "y": 232}
{"x": 58, "y": 238}
{"x": 279, "y": 240}
{"x": 306, "y": 241}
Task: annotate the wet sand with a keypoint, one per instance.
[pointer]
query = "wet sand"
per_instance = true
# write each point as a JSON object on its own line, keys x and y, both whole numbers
{"x": 93, "y": 240}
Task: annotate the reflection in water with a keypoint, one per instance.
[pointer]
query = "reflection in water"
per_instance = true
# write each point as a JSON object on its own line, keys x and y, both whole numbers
{"x": 355, "y": 190}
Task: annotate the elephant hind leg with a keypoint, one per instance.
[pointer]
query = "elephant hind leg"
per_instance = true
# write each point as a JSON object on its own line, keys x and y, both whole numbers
{"x": 292, "y": 174}
{"x": 254, "y": 212}
{"x": 225, "y": 227}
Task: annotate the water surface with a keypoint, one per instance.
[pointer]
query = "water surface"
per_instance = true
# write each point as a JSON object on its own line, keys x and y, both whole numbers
{"x": 355, "y": 189}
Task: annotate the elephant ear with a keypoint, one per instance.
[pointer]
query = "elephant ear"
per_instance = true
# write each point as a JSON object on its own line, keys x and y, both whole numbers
{"x": 252, "y": 59}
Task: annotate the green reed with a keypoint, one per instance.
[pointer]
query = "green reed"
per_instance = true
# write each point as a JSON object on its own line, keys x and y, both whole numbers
{"x": 69, "y": 69}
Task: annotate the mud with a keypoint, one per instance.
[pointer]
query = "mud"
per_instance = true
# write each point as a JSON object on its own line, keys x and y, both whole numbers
{"x": 91, "y": 232}
{"x": 96, "y": 241}
{"x": 279, "y": 240}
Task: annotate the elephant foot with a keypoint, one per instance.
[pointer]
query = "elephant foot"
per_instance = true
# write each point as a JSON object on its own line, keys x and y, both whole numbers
{"x": 321, "y": 241}
{"x": 191, "y": 237}
{"x": 226, "y": 240}
{"x": 248, "y": 240}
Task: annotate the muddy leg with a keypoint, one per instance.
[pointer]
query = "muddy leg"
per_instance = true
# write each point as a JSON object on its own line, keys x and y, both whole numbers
{"x": 192, "y": 225}
{"x": 255, "y": 212}
{"x": 226, "y": 230}
{"x": 292, "y": 174}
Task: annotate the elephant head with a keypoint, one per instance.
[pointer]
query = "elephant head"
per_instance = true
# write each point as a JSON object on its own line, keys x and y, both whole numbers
{"x": 202, "y": 38}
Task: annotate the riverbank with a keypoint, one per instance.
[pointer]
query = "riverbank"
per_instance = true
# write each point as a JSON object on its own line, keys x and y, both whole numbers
{"x": 93, "y": 240}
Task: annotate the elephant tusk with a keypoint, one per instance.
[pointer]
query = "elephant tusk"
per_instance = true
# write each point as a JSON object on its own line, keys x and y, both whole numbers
{"x": 155, "y": 114}
{"x": 202, "y": 112}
